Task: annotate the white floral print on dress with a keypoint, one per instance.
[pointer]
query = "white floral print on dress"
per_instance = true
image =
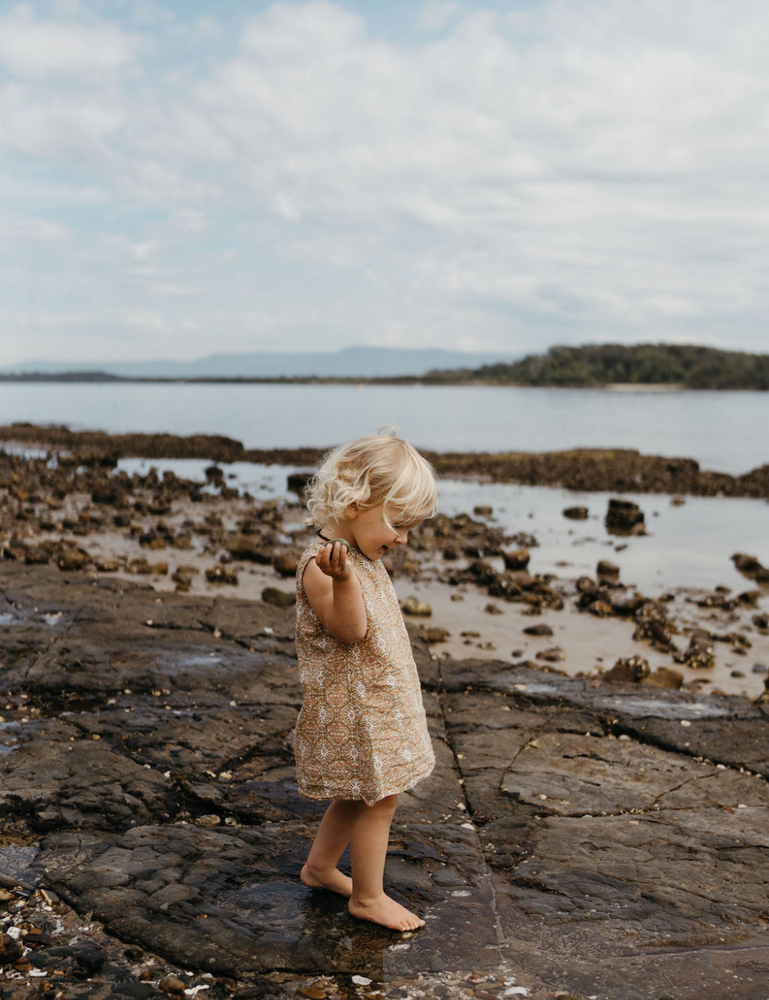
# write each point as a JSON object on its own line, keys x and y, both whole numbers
{"x": 362, "y": 700}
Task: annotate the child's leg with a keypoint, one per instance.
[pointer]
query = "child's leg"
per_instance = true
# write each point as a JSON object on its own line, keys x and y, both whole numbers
{"x": 368, "y": 849}
{"x": 320, "y": 870}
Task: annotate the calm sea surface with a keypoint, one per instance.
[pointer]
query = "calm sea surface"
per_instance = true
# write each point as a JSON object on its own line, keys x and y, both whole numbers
{"x": 724, "y": 431}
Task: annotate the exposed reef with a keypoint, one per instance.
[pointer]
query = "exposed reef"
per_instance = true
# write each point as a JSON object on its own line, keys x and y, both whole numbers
{"x": 593, "y": 469}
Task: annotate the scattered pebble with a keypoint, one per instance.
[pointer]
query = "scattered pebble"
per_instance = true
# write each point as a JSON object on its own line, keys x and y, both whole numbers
{"x": 540, "y": 629}
{"x": 208, "y": 821}
{"x": 171, "y": 984}
{"x": 413, "y": 606}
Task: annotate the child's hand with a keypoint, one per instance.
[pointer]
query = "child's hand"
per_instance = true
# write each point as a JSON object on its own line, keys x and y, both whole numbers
{"x": 332, "y": 560}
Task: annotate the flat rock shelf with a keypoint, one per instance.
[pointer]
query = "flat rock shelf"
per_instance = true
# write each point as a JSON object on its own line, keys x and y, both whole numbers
{"x": 577, "y": 836}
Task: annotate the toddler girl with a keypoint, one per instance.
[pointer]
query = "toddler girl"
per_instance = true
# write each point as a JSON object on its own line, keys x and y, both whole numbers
{"x": 361, "y": 736}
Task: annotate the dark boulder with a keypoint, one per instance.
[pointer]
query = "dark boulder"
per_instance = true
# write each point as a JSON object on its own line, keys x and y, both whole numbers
{"x": 624, "y": 517}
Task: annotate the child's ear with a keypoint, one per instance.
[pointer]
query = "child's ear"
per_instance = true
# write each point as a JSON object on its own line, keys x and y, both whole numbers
{"x": 351, "y": 511}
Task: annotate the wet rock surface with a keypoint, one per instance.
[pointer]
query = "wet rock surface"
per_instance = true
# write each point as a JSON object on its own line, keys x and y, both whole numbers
{"x": 603, "y": 839}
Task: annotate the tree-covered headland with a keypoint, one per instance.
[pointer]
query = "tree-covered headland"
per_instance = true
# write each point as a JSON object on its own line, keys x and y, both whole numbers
{"x": 637, "y": 364}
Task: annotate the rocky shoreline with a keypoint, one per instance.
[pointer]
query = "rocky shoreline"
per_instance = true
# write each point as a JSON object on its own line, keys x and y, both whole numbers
{"x": 599, "y": 836}
{"x": 580, "y": 469}
{"x": 79, "y": 512}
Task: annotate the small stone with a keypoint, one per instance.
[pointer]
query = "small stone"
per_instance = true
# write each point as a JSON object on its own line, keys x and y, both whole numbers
{"x": 413, "y": 606}
{"x": 699, "y": 653}
{"x": 624, "y": 517}
{"x": 664, "y": 677}
{"x": 553, "y": 655}
{"x": 630, "y": 670}
{"x": 250, "y": 548}
{"x": 576, "y": 513}
{"x": 171, "y": 984}
{"x": 220, "y": 574}
{"x": 311, "y": 992}
{"x": 91, "y": 959}
{"x": 286, "y": 563}
{"x": 73, "y": 559}
{"x": 492, "y": 609}
{"x": 10, "y": 950}
{"x": 434, "y": 634}
{"x": 538, "y": 630}
{"x": 208, "y": 821}
{"x": 749, "y": 565}
{"x": 278, "y": 598}
{"x": 516, "y": 559}
{"x": 108, "y": 565}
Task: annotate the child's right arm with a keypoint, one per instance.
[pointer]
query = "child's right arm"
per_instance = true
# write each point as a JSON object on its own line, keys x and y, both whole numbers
{"x": 334, "y": 593}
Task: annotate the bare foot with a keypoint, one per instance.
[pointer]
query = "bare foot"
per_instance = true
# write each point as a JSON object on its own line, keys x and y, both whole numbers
{"x": 387, "y": 912}
{"x": 334, "y": 880}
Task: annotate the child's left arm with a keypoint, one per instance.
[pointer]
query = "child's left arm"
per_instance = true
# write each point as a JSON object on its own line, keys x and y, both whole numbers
{"x": 334, "y": 593}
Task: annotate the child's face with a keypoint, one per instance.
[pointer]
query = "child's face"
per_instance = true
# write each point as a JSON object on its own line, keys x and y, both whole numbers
{"x": 374, "y": 534}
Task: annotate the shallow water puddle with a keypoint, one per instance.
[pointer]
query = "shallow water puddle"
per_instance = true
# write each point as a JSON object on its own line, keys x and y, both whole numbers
{"x": 16, "y": 861}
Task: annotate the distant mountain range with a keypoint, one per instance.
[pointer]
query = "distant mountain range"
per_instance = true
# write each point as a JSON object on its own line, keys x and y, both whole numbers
{"x": 350, "y": 362}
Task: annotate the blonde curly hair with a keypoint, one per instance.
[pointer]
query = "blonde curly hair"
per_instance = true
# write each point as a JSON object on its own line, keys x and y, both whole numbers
{"x": 381, "y": 469}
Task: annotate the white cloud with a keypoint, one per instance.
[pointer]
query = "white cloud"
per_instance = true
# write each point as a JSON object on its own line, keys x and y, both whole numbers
{"x": 15, "y": 228}
{"x": 53, "y": 126}
{"x": 30, "y": 48}
{"x": 568, "y": 170}
{"x": 437, "y": 14}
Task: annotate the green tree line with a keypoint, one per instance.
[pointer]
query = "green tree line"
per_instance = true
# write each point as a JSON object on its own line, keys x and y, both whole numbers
{"x": 638, "y": 364}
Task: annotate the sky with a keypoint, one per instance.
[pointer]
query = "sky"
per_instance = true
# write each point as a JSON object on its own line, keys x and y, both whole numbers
{"x": 182, "y": 177}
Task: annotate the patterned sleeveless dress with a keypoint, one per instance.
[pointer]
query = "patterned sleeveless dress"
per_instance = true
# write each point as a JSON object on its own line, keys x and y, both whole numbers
{"x": 362, "y": 731}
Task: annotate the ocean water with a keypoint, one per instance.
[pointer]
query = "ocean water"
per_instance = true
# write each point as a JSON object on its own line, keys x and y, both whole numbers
{"x": 723, "y": 431}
